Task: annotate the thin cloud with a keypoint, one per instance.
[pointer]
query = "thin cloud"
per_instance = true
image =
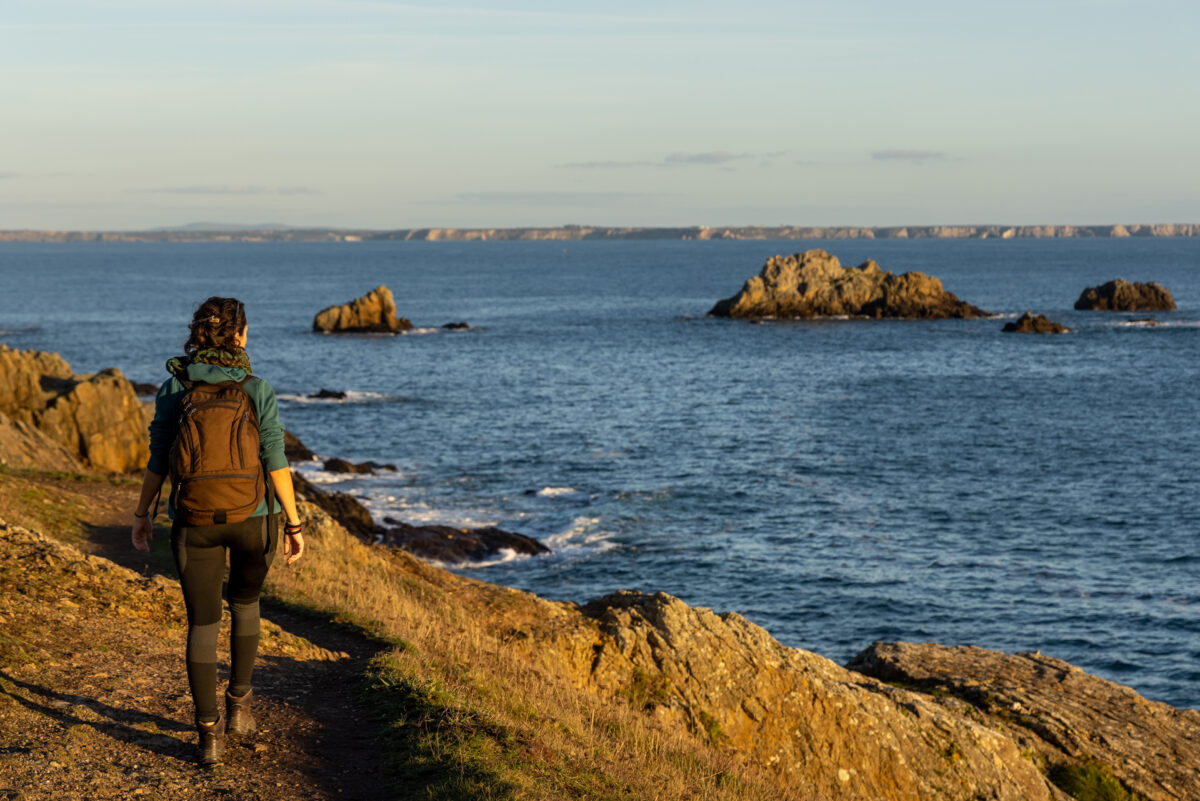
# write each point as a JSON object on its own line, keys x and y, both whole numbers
{"x": 225, "y": 189}
{"x": 908, "y": 155}
{"x": 606, "y": 165}
{"x": 7, "y": 176}
{"x": 538, "y": 198}
{"x": 707, "y": 159}
{"x": 712, "y": 157}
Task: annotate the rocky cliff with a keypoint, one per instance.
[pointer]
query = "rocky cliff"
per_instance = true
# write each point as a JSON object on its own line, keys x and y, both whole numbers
{"x": 578, "y": 232}
{"x": 814, "y": 284}
{"x": 374, "y": 312}
{"x": 1069, "y": 718}
{"x": 1121, "y": 295}
{"x": 51, "y": 418}
{"x": 827, "y": 730}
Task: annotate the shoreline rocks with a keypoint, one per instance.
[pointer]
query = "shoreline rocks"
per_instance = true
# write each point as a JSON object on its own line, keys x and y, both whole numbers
{"x": 445, "y": 544}
{"x": 814, "y": 284}
{"x": 1122, "y": 295}
{"x": 1030, "y": 324}
{"x": 374, "y": 312}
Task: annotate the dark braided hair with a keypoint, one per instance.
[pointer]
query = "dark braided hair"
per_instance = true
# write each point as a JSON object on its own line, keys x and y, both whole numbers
{"x": 215, "y": 324}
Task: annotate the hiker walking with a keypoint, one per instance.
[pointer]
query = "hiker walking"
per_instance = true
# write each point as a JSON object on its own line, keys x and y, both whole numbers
{"x": 216, "y": 432}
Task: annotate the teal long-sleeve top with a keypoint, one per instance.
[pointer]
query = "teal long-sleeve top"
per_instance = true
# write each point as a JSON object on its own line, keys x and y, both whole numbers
{"x": 166, "y": 415}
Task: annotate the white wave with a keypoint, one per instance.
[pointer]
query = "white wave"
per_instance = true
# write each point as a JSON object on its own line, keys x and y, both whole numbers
{"x": 1156, "y": 323}
{"x": 416, "y": 331}
{"x": 583, "y": 534}
{"x": 352, "y": 396}
{"x": 563, "y": 493}
{"x": 502, "y": 557}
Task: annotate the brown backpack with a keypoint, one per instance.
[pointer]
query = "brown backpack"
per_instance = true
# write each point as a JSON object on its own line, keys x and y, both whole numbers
{"x": 216, "y": 474}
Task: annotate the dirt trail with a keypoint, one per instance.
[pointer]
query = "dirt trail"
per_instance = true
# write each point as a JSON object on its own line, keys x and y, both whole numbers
{"x": 93, "y": 695}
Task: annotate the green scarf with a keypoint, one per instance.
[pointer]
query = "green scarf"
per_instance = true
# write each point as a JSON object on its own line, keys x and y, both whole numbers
{"x": 233, "y": 357}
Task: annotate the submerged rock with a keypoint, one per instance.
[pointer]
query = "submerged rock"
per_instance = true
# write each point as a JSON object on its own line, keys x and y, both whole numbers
{"x": 814, "y": 284}
{"x": 460, "y": 326}
{"x": 374, "y": 312}
{"x": 328, "y": 394}
{"x": 1121, "y": 295}
{"x": 1029, "y": 324}
{"x": 1066, "y": 716}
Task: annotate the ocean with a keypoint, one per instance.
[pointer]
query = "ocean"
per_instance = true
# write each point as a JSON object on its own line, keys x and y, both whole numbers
{"x": 835, "y": 481}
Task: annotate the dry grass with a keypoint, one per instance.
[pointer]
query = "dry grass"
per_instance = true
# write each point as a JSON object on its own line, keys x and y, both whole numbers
{"x": 474, "y": 702}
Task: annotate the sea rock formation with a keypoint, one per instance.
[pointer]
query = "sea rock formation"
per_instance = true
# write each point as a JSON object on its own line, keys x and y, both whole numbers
{"x": 1030, "y": 324}
{"x": 1066, "y": 716}
{"x": 1121, "y": 295}
{"x": 96, "y": 418}
{"x": 451, "y": 545}
{"x": 831, "y": 731}
{"x": 374, "y": 312}
{"x": 814, "y": 284}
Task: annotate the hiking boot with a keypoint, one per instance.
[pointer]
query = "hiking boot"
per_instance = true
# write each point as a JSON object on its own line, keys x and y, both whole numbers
{"x": 241, "y": 722}
{"x": 212, "y": 741}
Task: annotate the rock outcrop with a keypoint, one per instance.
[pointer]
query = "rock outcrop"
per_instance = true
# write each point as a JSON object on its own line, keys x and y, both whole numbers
{"x": 1121, "y": 295}
{"x": 96, "y": 418}
{"x": 445, "y": 544}
{"x": 374, "y": 312}
{"x": 814, "y": 284}
{"x": 1030, "y": 324}
{"x": 450, "y": 545}
{"x": 828, "y": 730}
{"x": 1053, "y": 708}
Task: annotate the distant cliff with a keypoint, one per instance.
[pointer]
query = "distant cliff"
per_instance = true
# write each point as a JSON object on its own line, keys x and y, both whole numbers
{"x": 580, "y": 232}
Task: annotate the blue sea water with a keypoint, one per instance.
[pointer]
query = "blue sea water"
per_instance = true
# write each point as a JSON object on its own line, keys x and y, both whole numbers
{"x": 836, "y": 481}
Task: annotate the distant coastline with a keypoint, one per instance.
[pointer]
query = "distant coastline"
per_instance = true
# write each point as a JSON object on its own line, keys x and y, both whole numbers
{"x": 582, "y": 232}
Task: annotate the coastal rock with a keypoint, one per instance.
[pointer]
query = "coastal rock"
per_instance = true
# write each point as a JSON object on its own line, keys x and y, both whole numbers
{"x": 831, "y": 731}
{"x": 328, "y": 394}
{"x": 814, "y": 284}
{"x": 454, "y": 545}
{"x": 437, "y": 543}
{"x": 374, "y": 312}
{"x": 460, "y": 326}
{"x": 1068, "y": 717}
{"x": 336, "y": 465}
{"x": 95, "y": 418}
{"x": 22, "y": 445}
{"x": 1030, "y": 324}
{"x": 342, "y": 507}
{"x": 295, "y": 450}
{"x": 1121, "y": 295}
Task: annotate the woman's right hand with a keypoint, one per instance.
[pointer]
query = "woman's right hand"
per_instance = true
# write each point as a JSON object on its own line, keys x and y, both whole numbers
{"x": 142, "y": 533}
{"x": 293, "y": 547}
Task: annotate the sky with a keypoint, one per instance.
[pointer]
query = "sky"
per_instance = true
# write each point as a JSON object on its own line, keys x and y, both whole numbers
{"x": 133, "y": 114}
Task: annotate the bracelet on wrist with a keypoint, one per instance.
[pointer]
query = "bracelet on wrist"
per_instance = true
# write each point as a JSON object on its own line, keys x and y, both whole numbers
{"x": 289, "y": 528}
{"x": 143, "y": 515}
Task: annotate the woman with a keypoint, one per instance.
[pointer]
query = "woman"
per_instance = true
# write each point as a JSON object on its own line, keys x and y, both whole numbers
{"x": 215, "y": 353}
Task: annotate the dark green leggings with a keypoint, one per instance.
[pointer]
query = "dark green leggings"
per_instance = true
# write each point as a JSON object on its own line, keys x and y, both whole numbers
{"x": 200, "y": 560}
